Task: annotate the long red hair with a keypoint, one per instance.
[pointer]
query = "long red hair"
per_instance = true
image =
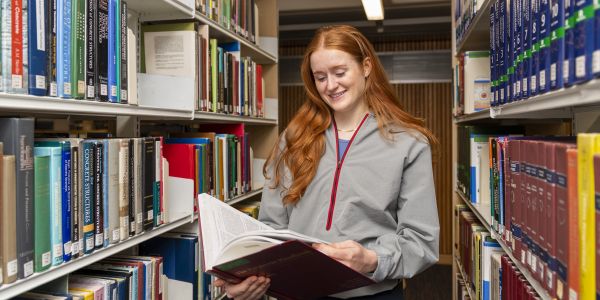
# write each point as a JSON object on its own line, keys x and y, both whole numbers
{"x": 305, "y": 135}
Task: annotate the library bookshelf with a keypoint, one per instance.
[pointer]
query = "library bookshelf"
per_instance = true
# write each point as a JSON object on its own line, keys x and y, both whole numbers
{"x": 130, "y": 119}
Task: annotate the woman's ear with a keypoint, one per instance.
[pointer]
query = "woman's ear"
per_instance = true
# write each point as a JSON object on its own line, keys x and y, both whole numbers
{"x": 367, "y": 65}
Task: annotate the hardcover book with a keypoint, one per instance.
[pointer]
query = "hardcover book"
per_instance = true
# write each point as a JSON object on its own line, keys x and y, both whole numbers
{"x": 8, "y": 247}
{"x": 42, "y": 246}
{"x": 38, "y": 55}
{"x": 260, "y": 250}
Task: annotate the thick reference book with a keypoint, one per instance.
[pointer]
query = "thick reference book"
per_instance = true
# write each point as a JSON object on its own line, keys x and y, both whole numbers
{"x": 252, "y": 248}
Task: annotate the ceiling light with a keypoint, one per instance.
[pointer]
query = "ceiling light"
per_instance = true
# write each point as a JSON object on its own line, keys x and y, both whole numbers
{"x": 373, "y": 9}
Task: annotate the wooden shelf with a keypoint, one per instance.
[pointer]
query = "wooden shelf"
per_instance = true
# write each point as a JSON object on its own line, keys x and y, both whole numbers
{"x": 465, "y": 279}
{"x": 38, "y": 279}
{"x": 477, "y": 36}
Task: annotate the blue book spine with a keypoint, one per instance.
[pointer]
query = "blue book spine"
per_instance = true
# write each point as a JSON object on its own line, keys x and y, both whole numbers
{"x": 584, "y": 40}
{"x": 63, "y": 48}
{"x": 492, "y": 53}
{"x": 502, "y": 47}
{"x": 534, "y": 67}
{"x": 55, "y": 201}
{"x": 518, "y": 51}
{"x": 569, "y": 62}
{"x": 66, "y": 199}
{"x": 544, "y": 40}
{"x": 112, "y": 53}
{"x": 88, "y": 195}
{"x": 512, "y": 43}
{"x": 105, "y": 195}
{"x": 557, "y": 43}
{"x": 38, "y": 56}
{"x": 596, "y": 51}
{"x": 525, "y": 64}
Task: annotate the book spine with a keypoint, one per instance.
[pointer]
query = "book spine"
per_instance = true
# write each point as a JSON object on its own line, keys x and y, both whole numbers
{"x": 584, "y": 41}
{"x": 88, "y": 189}
{"x": 114, "y": 200}
{"x": 112, "y": 53}
{"x": 37, "y": 46}
{"x": 106, "y": 193}
{"x": 124, "y": 189}
{"x": 76, "y": 237}
{"x": 148, "y": 175}
{"x": 98, "y": 195}
{"x": 569, "y": 62}
{"x": 63, "y": 48}
{"x": 132, "y": 187}
{"x": 43, "y": 256}
{"x": 6, "y": 44}
{"x": 139, "y": 184}
{"x": 102, "y": 54}
{"x": 525, "y": 64}
{"x": 544, "y": 42}
{"x": 596, "y": 49}
{"x": 535, "y": 47}
{"x": 557, "y": 43}
{"x": 51, "y": 43}
{"x": 56, "y": 207}
{"x": 91, "y": 60}
{"x": 562, "y": 233}
{"x": 157, "y": 180}
{"x": 78, "y": 39}
{"x": 123, "y": 84}
{"x": 573, "y": 264}
{"x": 17, "y": 47}
{"x": 66, "y": 200}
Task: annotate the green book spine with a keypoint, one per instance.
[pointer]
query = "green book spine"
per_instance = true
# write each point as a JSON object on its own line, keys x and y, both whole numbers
{"x": 78, "y": 67}
{"x": 42, "y": 248}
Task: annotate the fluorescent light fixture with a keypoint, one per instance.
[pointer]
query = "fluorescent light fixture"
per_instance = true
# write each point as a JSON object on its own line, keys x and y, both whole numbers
{"x": 373, "y": 9}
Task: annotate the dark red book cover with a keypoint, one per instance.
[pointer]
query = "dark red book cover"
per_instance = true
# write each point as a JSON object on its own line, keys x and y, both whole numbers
{"x": 509, "y": 193}
{"x": 572, "y": 225}
{"x": 550, "y": 220}
{"x": 516, "y": 247}
{"x": 529, "y": 202}
{"x": 540, "y": 225}
{"x": 562, "y": 232}
{"x": 597, "y": 206}
{"x": 296, "y": 270}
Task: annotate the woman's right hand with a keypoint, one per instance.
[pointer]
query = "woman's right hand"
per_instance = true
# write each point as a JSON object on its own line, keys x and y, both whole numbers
{"x": 251, "y": 288}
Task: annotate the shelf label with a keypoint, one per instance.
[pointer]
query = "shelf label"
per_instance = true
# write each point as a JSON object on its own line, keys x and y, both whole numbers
{"x": 75, "y": 248}
{"x": 28, "y": 269}
{"x": 40, "y": 82}
{"x": 80, "y": 87}
{"x": 90, "y": 91}
{"x": 68, "y": 247}
{"x": 116, "y": 235}
{"x": 17, "y": 81}
{"x": 46, "y": 258}
{"x": 67, "y": 88}
{"x": 53, "y": 89}
{"x": 150, "y": 215}
{"x": 58, "y": 250}
{"x": 11, "y": 268}
{"x": 99, "y": 239}
{"x": 89, "y": 243}
{"x": 580, "y": 66}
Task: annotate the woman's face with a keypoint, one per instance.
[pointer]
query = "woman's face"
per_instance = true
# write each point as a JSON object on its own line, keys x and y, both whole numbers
{"x": 340, "y": 80}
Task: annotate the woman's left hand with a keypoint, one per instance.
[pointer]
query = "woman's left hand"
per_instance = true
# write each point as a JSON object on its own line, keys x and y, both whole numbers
{"x": 351, "y": 254}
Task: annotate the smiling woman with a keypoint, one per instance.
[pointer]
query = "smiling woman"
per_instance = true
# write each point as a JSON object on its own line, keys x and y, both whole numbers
{"x": 354, "y": 169}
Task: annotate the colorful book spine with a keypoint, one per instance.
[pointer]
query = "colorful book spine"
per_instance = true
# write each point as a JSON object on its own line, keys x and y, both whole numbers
{"x": 91, "y": 41}
{"x": 42, "y": 246}
{"x": 148, "y": 189}
{"x": 66, "y": 199}
{"x": 78, "y": 39}
{"x": 113, "y": 16}
{"x": 99, "y": 195}
{"x": 569, "y": 62}
{"x": 123, "y": 66}
{"x": 596, "y": 51}
{"x": 19, "y": 47}
{"x": 37, "y": 46}
{"x": 584, "y": 40}
{"x": 525, "y": 65}
{"x": 76, "y": 236}
{"x": 102, "y": 49}
{"x": 535, "y": 48}
{"x": 557, "y": 43}
{"x": 6, "y": 42}
{"x": 63, "y": 48}
{"x": 88, "y": 190}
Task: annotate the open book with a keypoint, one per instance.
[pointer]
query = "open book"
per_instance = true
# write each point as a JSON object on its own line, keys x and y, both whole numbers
{"x": 235, "y": 246}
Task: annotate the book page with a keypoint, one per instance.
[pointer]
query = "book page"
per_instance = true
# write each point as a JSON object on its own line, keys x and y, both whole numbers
{"x": 170, "y": 53}
{"x": 219, "y": 223}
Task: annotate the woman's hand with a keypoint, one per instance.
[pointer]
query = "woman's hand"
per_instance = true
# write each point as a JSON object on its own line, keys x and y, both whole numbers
{"x": 351, "y": 254}
{"x": 251, "y": 288}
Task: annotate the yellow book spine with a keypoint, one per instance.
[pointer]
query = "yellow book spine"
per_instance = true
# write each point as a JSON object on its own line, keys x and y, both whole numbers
{"x": 87, "y": 294}
{"x": 587, "y": 146}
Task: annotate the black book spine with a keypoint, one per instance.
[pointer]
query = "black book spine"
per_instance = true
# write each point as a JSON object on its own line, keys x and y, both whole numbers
{"x": 102, "y": 54}
{"x": 75, "y": 204}
{"x": 99, "y": 195}
{"x": 51, "y": 46}
{"x": 91, "y": 43}
{"x": 148, "y": 174}
{"x": 124, "y": 99}
{"x": 132, "y": 185}
{"x": 17, "y": 136}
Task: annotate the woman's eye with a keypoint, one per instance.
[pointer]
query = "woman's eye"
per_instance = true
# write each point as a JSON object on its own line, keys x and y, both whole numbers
{"x": 339, "y": 74}
{"x": 321, "y": 79}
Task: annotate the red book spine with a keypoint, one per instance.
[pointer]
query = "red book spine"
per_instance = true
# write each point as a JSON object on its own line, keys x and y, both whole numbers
{"x": 561, "y": 233}
{"x": 550, "y": 220}
{"x": 524, "y": 205}
{"x": 530, "y": 202}
{"x": 515, "y": 146}
{"x": 17, "y": 44}
{"x": 541, "y": 211}
{"x": 509, "y": 193}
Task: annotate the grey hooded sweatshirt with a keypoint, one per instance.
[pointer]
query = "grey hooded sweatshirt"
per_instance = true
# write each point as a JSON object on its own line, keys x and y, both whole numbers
{"x": 380, "y": 194}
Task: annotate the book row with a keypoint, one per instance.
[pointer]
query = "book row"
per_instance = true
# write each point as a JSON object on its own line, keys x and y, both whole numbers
{"x": 464, "y": 13}
{"x": 540, "y": 191}
{"x": 239, "y": 16}
{"x": 65, "y": 48}
{"x": 480, "y": 257}
{"x": 221, "y": 79}
{"x": 537, "y": 46}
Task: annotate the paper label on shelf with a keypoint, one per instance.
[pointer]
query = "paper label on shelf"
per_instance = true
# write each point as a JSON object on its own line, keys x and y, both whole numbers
{"x": 53, "y": 89}
{"x": 553, "y": 72}
{"x": 513, "y": 244}
{"x": 542, "y": 79}
{"x": 534, "y": 263}
{"x": 113, "y": 90}
{"x": 28, "y": 269}
{"x": 11, "y": 268}
{"x": 80, "y": 86}
{"x": 549, "y": 279}
{"x": 90, "y": 91}
{"x": 67, "y": 248}
{"x": 17, "y": 81}
{"x": 596, "y": 61}
{"x": 99, "y": 239}
{"x": 572, "y": 294}
{"x": 40, "y": 82}
{"x": 46, "y": 258}
{"x": 525, "y": 85}
{"x": 89, "y": 243}
{"x": 123, "y": 95}
{"x": 133, "y": 226}
{"x": 67, "y": 88}
{"x": 75, "y": 248}
{"x": 57, "y": 250}
{"x": 150, "y": 215}
{"x": 116, "y": 235}
{"x": 580, "y": 66}
{"x": 566, "y": 70}
{"x": 104, "y": 90}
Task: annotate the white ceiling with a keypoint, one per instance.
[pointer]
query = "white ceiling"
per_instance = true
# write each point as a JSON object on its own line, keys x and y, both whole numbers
{"x": 293, "y": 5}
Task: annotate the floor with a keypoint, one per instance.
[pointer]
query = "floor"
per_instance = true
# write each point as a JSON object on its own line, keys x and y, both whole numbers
{"x": 433, "y": 283}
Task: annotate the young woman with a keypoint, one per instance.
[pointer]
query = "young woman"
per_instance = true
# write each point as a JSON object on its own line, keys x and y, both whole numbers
{"x": 354, "y": 169}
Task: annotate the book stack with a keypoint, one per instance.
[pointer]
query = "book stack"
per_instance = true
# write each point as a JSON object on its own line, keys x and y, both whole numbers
{"x": 238, "y": 16}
